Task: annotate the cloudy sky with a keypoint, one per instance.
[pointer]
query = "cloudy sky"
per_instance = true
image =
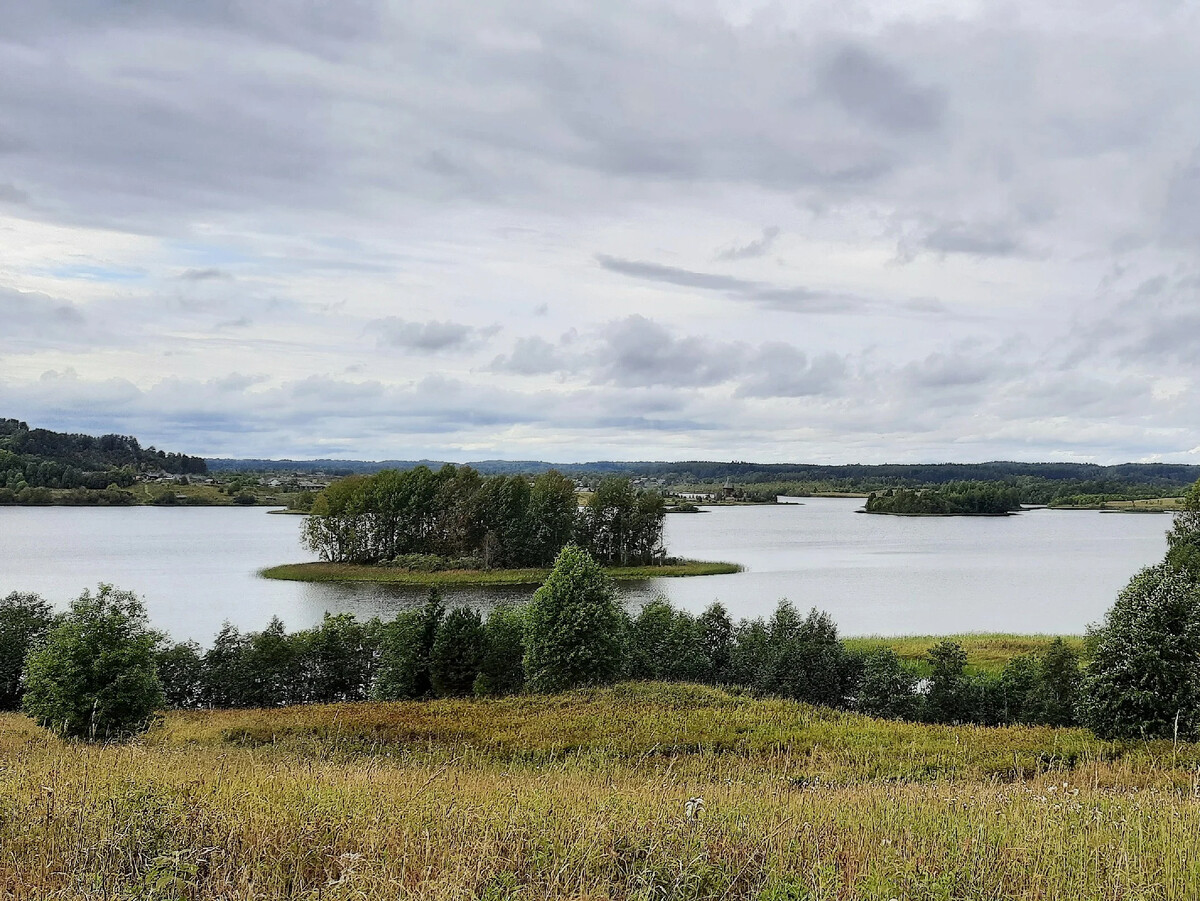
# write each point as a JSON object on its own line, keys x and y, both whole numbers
{"x": 797, "y": 231}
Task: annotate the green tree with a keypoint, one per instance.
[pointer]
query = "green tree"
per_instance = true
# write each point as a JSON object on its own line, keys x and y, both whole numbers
{"x": 271, "y": 669}
{"x": 716, "y": 638}
{"x": 1183, "y": 540}
{"x": 887, "y": 688}
{"x": 405, "y": 648}
{"x": 1144, "y": 677}
{"x": 95, "y": 676}
{"x": 181, "y": 671}
{"x": 1055, "y": 698}
{"x": 457, "y": 654}
{"x": 225, "y": 679}
{"x": 575, "y": 626}
{"x": 502, "y": 669}
{"x": 338, "y": 660}
{"x": 25, "y": 619}
{"x": 949, "y": 696}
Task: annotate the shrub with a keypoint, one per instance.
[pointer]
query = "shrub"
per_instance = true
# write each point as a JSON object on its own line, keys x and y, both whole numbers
{"x": 502, "y": 669}
{"x": 405, "y": 647}
{"x": 25, "y": 619}
{"x": 1145, "y": 671}
{"x": 457, "y": 653}
{"x": 949, "y": 697}
{"x": 887, "y": 688}
{"x": 95, "y": 677}
{"x": 181, "y": 671}
{"x": 575, "y": 626}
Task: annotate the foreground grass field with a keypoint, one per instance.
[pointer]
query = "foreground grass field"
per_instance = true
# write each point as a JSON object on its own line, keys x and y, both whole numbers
{"x": 350, "y": 572}
{"x": 582, "y": 796}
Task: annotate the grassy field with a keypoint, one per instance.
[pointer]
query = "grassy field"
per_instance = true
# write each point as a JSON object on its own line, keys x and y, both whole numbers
{"x": 987, "y": 652}
{"x": 349, "y": 572}
{"x": 582, "y": 796}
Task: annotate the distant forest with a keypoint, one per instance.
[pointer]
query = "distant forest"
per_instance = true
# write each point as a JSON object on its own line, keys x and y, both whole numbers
{"x": 1038, "y": 483}
{"x": 32, "y": 461}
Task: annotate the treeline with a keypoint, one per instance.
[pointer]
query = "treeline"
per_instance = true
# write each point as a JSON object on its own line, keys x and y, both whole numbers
{"x": 456, "y": 514}
{"x": 860, "y": 478}
{"x": 957, "y": 499}
{"x": 40, "y": 458}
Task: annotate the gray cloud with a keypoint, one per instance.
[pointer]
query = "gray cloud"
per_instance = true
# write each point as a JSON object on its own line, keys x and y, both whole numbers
{"x": 755, "y": 248}
{"x": 432, "y": 336}
{"x": 204, "y": 275}
{"x": 880, "y": 92}
{"x": 794, "y": 300}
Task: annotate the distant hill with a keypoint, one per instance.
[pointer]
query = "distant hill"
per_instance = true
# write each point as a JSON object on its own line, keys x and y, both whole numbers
{"x": 40, "y": 458}
{"x": 1167, "y": 476}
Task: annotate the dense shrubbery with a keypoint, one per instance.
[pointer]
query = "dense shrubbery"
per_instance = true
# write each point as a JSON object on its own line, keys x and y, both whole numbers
{"x": 420, "y": 517}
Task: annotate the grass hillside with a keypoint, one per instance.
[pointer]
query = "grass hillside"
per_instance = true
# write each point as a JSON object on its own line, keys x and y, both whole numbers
{"x": 582, "y": 796}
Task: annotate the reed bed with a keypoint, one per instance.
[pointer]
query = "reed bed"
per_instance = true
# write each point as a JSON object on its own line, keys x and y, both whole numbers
{"x": 583, "y": 796}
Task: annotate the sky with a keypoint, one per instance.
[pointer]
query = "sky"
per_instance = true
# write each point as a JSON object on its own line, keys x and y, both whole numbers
{"x": 781, "y": 232}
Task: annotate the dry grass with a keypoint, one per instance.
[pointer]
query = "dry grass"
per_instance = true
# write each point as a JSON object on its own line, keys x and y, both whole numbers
{"x": 582, "y": 796}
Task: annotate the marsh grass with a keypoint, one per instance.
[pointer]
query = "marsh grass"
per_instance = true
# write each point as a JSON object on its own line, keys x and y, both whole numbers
{"x": 583, "y": 796}
{"x": 350, "y": 572}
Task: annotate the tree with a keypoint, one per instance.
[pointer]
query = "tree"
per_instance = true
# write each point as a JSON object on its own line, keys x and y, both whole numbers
{"x": 405, "y": 647}
{"x": 338, "y": 660}
{"x": 25, "y": 620}
{"x": 502, "y": 669}
{"x": 95, "y": 677}
{"x": 1183, "y": 540}
{"x": 949, "y": 697}
{"x": 716, "y": 639}
{"x": 271, "y": 668}
{"x": 805, "y": 659}
{"x": 1144, "y": 677}
{"x": 575, "y": 626}
{"x": 1055, "y": 698}
{"x": 457, "y": 653}
{"x": 887, "y": 688}
{"x": 225, "y": 678}
{"x": 181, "y": 671}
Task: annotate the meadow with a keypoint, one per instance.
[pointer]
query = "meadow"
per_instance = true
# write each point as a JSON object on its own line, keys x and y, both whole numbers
{"x": 583, "y": 795}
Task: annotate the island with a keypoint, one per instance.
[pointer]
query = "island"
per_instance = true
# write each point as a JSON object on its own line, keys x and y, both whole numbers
{"x": 456, "y": 527}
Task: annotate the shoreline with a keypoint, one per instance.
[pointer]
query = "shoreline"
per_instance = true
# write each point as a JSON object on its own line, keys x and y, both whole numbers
{"x": 467, "y": 578}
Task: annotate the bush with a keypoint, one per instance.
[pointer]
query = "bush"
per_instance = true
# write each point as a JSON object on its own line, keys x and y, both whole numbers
{"x": 887, "y": 688}
{"x": 405, "y": 648}
{"x": 457, "y": 653}
{"x": 95, "y": 677}
{"x": 949, "y": 698}
{"x": 181, "y": 672}
{"x": 25, "y": 620}
{"x": 502, "y": 669}
{"x": 575, "y": 627}
{"x": 1145, "y": 673}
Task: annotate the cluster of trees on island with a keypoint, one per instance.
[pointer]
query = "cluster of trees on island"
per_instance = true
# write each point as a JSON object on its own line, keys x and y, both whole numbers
{"x": 954, "y": 499}
{"x": 482, "y": 522}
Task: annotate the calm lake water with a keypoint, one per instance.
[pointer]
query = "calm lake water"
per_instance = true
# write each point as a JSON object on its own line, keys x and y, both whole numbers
{"x": 1041, "y": 571}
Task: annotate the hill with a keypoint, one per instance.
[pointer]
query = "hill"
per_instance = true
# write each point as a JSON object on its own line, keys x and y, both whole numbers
{"x": 585, "y": 795}
{"x": 33, "y": 459}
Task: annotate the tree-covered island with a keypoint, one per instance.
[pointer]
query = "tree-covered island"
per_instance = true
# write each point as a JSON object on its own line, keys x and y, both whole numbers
{"x": 456, "y": 526}
{"x": 954, "y": 499}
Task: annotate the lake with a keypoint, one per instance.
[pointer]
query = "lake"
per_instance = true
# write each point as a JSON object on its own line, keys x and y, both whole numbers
{"x": 1041, "y": 571}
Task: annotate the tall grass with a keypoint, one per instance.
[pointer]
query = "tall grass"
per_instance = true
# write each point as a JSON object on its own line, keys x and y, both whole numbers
{"x": 582, "y": 796}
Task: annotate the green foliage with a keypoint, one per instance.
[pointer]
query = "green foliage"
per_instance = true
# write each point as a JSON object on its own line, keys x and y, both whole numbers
{"x": 665, "y": 644}
{"x": 181, "y": 671}
{"x": 949, "y": 697}
{"x": 405, "y": 649}
{"x": 575, "y": 627}
{"x": 1144, "y": 678}
{"x": 338, "y": 659}
{"x": 95, "y": 676}
{"x": 225, "y": 679}
{"x": 25, "y": 620}
{"x": 1183, "y": 540}
{"x": 803, "y": 658}
{"x": 457, "y": 654}
{"x": 956, "y": 498}
{"x": 502, "y": 669}
{"x": 716, "y": 641}
{"x": 887, "y": 688}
